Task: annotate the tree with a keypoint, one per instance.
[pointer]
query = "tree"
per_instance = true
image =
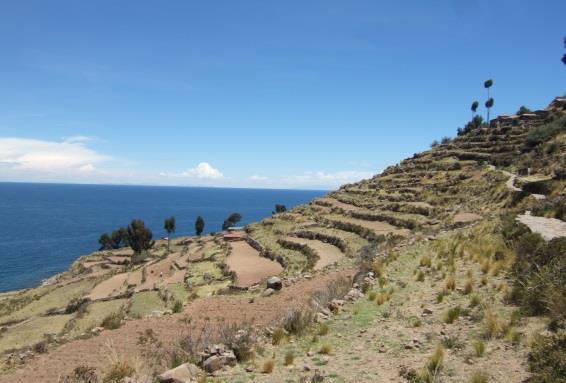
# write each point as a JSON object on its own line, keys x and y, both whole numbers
{"x": 489, "y": 105}
{"x": 232, "y": 220}
{"x": 564, "y": 57}
{"x": 279, "y": 208}
{"x": 169, "y": 226}
{"x": 139, "y": 236}
{"x": 488, "y": 84}
{"x": 434, "y": 143}
{"x": 105, "y": 242}
{"x": 474, "y": 108}
{"x": 199, "y": 225}
{"x": 523, "y": 109}
{"x": 119, "y": 238}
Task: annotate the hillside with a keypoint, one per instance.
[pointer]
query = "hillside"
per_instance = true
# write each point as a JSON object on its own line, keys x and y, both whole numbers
{"x": 419, "y": 274}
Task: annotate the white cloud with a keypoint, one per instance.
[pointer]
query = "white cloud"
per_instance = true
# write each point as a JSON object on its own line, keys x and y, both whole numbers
{"x": 325, "y": 179}
{"x": 78, "y": 139}
{"x": 257, "y": 177}
{"x": 47, "y": 156}
{"x": 202, "y": 171}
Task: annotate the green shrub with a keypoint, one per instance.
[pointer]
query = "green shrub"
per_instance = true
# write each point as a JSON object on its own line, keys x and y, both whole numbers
{"x": 452, "y": 315}
{"x": 298, "y": 321}
{"x": 112, "y": 321}
{"x": 547, "y": 359}
{"x": 177, "y": 307}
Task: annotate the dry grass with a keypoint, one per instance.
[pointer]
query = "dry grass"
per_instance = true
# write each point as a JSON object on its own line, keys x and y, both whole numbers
{"x": 268, "y": 366}
{"x": 479, "y": 348}
{"x": 479, "y": 377}
{"x": 450, "y": 283}
{"x": 468, "y": 286}
{"x": 420, "y": 276}
{"x": 289, "y": 358}
{"x": 277, "y": 336}
{"x": 326, "y": 349}
{"x": 493, "y": 327}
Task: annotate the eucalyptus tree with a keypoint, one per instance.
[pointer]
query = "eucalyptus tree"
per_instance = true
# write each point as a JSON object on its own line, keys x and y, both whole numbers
{"x": 474, "y": 108}
{"x": 199, "y": 225}
{"x": 489, "y": 105}
{"x": 170, "y": 226}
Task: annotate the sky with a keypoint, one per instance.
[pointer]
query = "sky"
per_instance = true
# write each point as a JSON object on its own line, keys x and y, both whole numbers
{"x": 258, "y": 93}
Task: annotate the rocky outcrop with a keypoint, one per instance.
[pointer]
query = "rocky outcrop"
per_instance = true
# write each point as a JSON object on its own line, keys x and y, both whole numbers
{"x": 185, "y": 373}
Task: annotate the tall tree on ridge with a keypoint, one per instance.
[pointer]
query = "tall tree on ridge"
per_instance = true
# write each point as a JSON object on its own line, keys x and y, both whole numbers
{"x": 488, "y": 105}
{"x": 199, "y": 225}
{"x": 169, "y": 226}
{"x": 474, "y": 108}
{"x": 139, "y": 236}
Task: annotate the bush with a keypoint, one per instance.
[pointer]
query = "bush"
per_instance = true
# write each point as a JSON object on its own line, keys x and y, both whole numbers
{"x": 118, "y": 372}
{"x": 177, "y": 307}
{"x": 112, "y": 321}
{"x": 81, "y": 374}
{"x": 298, "y": 321}
{"x": 547, "y": 359}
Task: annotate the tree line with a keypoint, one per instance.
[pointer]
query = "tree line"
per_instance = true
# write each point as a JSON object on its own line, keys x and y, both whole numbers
{"x": 140, "y": 238}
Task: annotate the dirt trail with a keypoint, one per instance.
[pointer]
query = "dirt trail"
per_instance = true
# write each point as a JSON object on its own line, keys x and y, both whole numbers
{"x": 123, "y": 341}
{"x": 328, "y": 254}
{"x": 548, "y": 228}
{"x": 250, "y": 267}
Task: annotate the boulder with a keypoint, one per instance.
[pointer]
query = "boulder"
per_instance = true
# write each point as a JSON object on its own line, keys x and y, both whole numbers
{"x": 274, "y": 283}
{"x": 216, "y": 362}
{"x": 185, "y": 373}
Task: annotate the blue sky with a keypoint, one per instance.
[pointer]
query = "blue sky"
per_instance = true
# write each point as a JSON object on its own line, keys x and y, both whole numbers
{"x": 293, "y": 94}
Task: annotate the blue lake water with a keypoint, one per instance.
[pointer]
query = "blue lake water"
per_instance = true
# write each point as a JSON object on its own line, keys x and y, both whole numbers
{"x": 45, "y": 227}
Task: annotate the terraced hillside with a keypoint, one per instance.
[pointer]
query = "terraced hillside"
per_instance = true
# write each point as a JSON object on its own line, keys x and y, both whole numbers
{"x": 408, "y": 237}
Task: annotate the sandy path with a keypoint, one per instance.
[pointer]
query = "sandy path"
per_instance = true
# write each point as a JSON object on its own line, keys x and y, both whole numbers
{"x": 548, "y": 228}
{"x": 124, "y": 341}
{"x": 328, "y": 254}
{"x": 249, "y": 266}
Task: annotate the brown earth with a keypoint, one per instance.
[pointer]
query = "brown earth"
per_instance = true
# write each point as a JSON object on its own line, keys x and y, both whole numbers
{"x": 249, "y": 266}
{"x": 123, "y": 341}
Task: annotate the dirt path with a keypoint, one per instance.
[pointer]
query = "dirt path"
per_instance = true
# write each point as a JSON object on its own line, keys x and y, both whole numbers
{"x": 328, "y": 254}
{"x": 548, "y": 228}
{"x": 249, "y": 266}
{"x": 124, "y": 341}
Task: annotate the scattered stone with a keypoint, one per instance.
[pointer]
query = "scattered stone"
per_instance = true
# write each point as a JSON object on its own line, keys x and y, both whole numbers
{"x": 216, "y": 362}
{"x": 183, "y": 374}
{"x": 306, "y": 367}
{"x": 274, "y": 283}
{"x": 353, "y": 295}
{"x": 427, "y": 311}
{"x": 310, "y": 354}
{"x": 268, "y": 292}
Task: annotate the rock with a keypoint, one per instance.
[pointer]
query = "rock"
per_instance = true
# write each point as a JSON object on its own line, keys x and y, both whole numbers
{"x": 353, "y": 295}
{"x": 306, "y": 367}
{"x": 310, "y": 354}
{"x": 268, "y": 292}
{"x": 185, "y": 373}
{"x": 216, "y": 362}
{"x": 427, "y": 311}
{"x": 274, "y": 283}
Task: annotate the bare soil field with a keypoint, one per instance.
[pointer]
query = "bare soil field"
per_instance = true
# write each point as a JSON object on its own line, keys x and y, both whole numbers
{"x": 328, "y": 254}
{"x": 249, "y": 266}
